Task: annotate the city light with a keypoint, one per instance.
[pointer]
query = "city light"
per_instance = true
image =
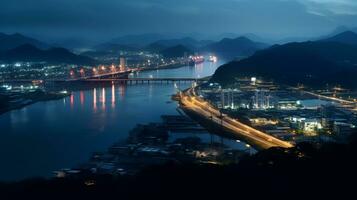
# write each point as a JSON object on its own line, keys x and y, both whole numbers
{"x": 203, "y": 108}
{"x": 112, "y": 68}
{"x": 185, "y": 99}
{"x": 81, "y": 71}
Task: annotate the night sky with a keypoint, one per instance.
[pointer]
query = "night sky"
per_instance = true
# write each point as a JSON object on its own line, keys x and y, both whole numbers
{"x": 110, "y": 18}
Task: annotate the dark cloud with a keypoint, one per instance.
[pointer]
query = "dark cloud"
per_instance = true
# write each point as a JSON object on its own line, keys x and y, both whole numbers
{"x": 107, "y": 18}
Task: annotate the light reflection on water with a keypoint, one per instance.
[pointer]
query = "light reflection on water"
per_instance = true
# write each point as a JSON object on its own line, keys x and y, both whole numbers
{"x": 82, "y": 95}
{"x": 51, "y": 135}
{"x": 113, "y": 96}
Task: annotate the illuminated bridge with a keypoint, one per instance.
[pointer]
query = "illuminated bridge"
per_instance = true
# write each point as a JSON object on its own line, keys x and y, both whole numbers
{"x": 111, "y": 80}
{"x": 146, "y": 80}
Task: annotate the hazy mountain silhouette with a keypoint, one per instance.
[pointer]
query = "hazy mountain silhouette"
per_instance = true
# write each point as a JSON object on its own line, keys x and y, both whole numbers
{"x": 310, "y": 63}
{"x": 155, "y": 47}
{"x": 30, "y": 53}
{"x": 231, "y": 48}
{"x": 113, "y": 47}
{"x": 347, "y": 37}
{"x": 14, "y": 40}
{"x": 73, "y": 43}
{"x": 187, "y": 41}
{"x": 175, "y": 51}
{"x": 139, "y": 40}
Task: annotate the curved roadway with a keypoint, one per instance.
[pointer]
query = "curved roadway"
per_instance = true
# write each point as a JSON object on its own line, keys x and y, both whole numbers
{"x": 199, "y": 106}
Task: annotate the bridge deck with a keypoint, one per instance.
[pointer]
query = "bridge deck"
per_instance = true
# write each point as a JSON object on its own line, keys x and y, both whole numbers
{"x": 173, "y": 79}
{"x": 145, "y": 79}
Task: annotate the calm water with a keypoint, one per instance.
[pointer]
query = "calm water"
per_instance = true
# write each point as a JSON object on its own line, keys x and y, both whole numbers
{"x": 52, "y": 135}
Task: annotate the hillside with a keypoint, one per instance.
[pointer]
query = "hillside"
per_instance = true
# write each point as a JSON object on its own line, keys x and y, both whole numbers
{"x": 187, "y": 42}
{"x": 112, "y": 47}
{"x": 175, "y": 51}
{"x": 139, "y": 39}
{"x": 30, "y": 53}
{"x": 155, "y": 47}
{"x": 14, "y": 40}
{"x": 311, "y": 63}
{"x": 232, "y": 48}
{"x": 73, "y": 43}
{"x": 347, "y": 37}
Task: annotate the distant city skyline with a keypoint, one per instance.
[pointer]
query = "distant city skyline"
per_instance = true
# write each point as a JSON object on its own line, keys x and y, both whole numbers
{"x": 100, "y": 20}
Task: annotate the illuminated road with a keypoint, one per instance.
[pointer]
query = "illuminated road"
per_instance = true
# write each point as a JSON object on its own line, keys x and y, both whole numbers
{"x": 190, "y": 101}
{"x": 120, "y": 72}
{"x": 330, "y": 98}
{"x": 349, "y": 105}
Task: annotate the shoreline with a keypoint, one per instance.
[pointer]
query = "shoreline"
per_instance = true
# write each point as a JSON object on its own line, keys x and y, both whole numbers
{"x": 60, "y": 96}
{"x": 48, "y": 96}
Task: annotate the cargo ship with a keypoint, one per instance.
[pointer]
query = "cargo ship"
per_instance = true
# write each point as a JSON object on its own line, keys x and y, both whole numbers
{"x": 194, "y": 60}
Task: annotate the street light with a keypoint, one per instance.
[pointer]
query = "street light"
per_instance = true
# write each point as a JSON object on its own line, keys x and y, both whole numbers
{"x": 81, "y": 71}
{"x": 113, "y": 68}
{"x": 249, "y": 148}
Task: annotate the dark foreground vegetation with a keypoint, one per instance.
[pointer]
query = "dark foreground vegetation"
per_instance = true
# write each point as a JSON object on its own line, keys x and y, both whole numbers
{"x": 305, "y": 171}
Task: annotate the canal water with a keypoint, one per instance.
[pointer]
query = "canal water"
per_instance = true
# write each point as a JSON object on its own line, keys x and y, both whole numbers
{"x": 52, "y": 135}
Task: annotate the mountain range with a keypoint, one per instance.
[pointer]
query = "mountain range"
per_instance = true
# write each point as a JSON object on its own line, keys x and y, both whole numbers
{"x": 139, "y": 40}
{"x": 187, "y": 42}
{"x": 10, "y": 41}
{"x": 12, "y": 47}
{"x": 30, "y": 53}
{"x": 329, "y": 61}
{"x": 347, "y": 37}
{"x": 113, "y": 47}
{"x": 232, "y": 48}
{"x": 227, "y": 47}
{"x": 176, "y": 51}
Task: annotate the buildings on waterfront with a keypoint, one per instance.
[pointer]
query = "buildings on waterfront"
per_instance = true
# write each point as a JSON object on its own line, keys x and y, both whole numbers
{"x": 122, "y": 64}
{"x": 282, "y": 112}
{"x": 105, "y": 64}
{"x": 177, "y": 139}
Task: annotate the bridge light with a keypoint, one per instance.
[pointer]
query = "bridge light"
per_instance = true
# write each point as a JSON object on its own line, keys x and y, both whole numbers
{"x": 81, "y": 71}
